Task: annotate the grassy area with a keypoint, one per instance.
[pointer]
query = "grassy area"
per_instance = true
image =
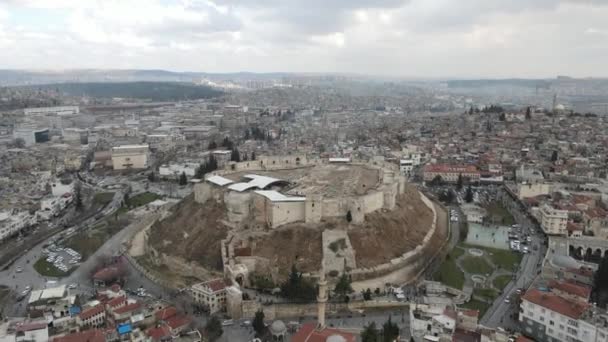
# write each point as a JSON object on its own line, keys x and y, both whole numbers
{"x": 477, "y": 305}
{"x": 500, "y": 282}
{"x": 457, "y": 252}
{"x": 142, "y": 199}
{"x": 86, "y": 243}
{"x": 505, "y": 259}
{"x": 89, "y": 241}
{"x": 449, "y": 273}
{"x": 103, "y": 198}
{"x": 487, "y": 294}
{"x": 476, "y": 265}
{"x": 503, "y": 216}
{"x": 47, "y": 269}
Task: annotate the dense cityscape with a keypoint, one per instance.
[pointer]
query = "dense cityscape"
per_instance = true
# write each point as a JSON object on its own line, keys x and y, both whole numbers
{"x": 288, "y": 171}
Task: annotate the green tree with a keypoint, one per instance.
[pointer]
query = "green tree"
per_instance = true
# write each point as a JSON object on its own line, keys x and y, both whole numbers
{"x": 468, "y": 196}
{"x": 235, "y": 156}
{"x": 370, "y": 333}
{"x": 258, "y": 324}
{"x": 600, "y": 283}
{"x": 183, "y": 180}
{"x": 297, "y": 288}
{"x": 367, "y": 294}
{"x": 390, "y": 331}
{"x": 437, "y": 181}
{"x": 212, "y": 146}
{"x": 349, "y": 216}
{"x": 152, "y": 177}
{"x": 528, "y": 114}
{"x": 554, "y": 156}
{"x": 252, "y": 156}
{"x": 78, "y": 196}
{"x": 343, "y": 286}
{"x": 227, "y": 143}
{"x": 460, "y": 182}
{"x": 214, "y": 329}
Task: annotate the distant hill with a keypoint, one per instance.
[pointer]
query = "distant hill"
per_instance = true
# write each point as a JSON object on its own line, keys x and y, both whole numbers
{"x": 155, "y": 91}
{"x": 34, "y": 77}
{"x": 513, "y": 82}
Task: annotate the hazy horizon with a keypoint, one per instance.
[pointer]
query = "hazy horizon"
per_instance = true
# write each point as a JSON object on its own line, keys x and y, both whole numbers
{"x": 429, "y": 39}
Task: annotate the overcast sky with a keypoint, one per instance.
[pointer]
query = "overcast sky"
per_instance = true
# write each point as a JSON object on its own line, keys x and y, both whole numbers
{"x": 420, "y": 38}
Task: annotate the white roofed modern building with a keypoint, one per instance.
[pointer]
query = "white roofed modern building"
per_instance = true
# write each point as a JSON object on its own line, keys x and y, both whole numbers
{"x": 127, "y": 157}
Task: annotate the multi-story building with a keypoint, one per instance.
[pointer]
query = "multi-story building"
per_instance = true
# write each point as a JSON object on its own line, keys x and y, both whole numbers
{"x": 175, "y": 170}
{"x": 451, "y": 173}
{"x": 31, "y": 136}
{"x": 130, "y": 157}
{"x": 211, "y": 294}
{"x": 406, "y": 166}
{"x": 92, "y": 317}
{"x": 553, "y": 221}
{"x": 526, "y": 190}
{"x": 547, "y": 316}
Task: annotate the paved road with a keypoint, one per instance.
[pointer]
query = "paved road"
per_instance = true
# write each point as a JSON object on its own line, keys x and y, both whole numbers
{"x": 500, "y": 312}
{"x": 17, "y": 281}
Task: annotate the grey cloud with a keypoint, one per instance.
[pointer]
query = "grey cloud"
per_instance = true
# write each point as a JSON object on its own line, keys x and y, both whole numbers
{"x": 313, "y": 16}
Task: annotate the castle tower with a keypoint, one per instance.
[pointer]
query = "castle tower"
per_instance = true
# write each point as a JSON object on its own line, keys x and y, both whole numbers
{"x": 321, "y": 300}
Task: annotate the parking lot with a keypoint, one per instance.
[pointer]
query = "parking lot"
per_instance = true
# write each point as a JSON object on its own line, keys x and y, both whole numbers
{"x": 62, "y": 258}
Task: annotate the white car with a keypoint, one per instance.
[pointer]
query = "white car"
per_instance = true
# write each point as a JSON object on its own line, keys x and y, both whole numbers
{"x": 19, "y": 269}
{"x": 72, "y": 286}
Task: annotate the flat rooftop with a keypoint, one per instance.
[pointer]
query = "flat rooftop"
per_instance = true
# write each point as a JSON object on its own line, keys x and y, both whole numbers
{"x": 329, "y": 180}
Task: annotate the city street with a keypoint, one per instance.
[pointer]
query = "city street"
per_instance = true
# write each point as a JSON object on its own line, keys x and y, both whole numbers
{"x": 500, "y": 313}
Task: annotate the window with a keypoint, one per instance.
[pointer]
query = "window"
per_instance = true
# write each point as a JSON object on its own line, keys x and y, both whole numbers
{"x": 551, "y": 323}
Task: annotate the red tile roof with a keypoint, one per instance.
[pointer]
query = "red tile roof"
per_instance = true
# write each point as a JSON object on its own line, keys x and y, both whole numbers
{"x": 158, "y": 332}
{"x": 88, "y": 313}
{"x": 523, "y": 339}
{"x": 128, "y": 308}
{"x": 178, "y": 321}
{"x": 470, "y": 313}
{"x": 31, "y": 326}
{"x": 93, "y": 335}
{"x": 216, "y": 284}
{"x": 308, "y": 333}
{"x": 573, "y": 226}
{"x": 569, "y": 287}
{"x": 595, "y": 213}
{"x": 556, "y": 303}
{"x": 466, "y": 336}
{"x": 114, "y": 302}
{"x": 165, "y": 313}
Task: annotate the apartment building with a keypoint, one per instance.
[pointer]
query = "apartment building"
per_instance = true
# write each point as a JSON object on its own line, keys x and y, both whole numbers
{"x": 406, "y": 166}
{"x": 451, "y": 173}
{"x": 547, "y": 316}
{"x": 553, "y": 221}
{"x": 211, "y": 294}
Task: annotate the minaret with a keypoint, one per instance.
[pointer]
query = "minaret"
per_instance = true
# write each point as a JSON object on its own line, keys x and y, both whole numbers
{"x": 321, "y": 300}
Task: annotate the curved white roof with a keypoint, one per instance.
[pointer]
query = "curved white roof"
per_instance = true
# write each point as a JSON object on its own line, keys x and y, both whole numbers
{"x": 219, "y": 180}
{"x": 256, "y": 181}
